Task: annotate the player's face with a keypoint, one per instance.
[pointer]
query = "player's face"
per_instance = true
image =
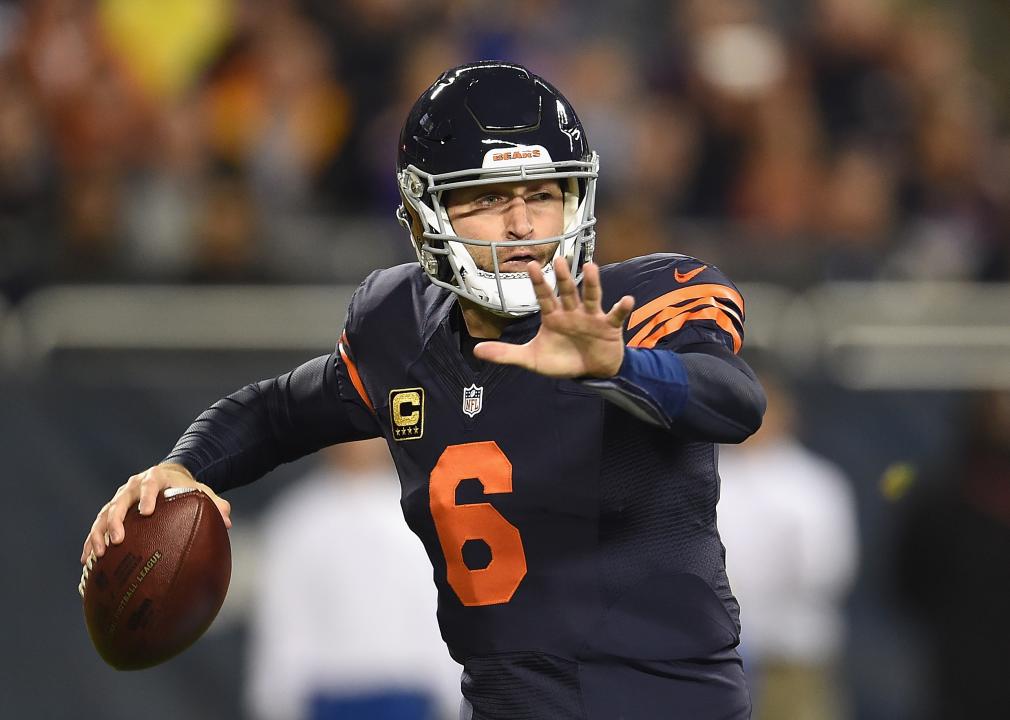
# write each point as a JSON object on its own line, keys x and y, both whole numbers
{"x": 516, "y": 212}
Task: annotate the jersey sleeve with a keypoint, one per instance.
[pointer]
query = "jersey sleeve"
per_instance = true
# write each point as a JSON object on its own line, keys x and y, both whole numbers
{"x": 681, "y": 370}
{"x": 250, "y": 432}
{"x": 684, "y": 303}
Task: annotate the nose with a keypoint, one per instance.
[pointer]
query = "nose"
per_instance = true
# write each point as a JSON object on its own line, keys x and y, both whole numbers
{"x": 518, "y": 223}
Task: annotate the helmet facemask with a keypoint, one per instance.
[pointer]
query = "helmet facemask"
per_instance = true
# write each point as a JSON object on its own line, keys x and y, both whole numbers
{"x": 443, "y": 254}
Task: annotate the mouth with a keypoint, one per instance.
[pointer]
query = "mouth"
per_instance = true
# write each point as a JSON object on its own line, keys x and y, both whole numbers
{"x": 517, "y": 260}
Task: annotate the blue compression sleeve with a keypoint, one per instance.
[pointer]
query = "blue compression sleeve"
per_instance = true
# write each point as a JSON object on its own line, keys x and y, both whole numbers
{"x": 651, "y": 384}
{"x": 706, "y": 394}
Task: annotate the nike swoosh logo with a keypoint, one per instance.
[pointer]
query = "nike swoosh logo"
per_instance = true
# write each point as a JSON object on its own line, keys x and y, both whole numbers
{"x": 685, "y": 277}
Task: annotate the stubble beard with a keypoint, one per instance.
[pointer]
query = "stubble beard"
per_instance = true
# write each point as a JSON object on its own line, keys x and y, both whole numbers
{"x": 541, "y": 253}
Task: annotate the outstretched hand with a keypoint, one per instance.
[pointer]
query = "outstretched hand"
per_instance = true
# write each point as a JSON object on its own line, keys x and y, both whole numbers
{"x": 576, "y": 338}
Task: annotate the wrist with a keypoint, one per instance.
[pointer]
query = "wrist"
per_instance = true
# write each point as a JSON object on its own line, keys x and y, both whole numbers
{"x": 610, "y": 369}
{"x": 177, "y": 467}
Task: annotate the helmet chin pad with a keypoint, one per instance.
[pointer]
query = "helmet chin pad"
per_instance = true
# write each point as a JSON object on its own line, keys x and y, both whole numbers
{"x": 503, "y": 293}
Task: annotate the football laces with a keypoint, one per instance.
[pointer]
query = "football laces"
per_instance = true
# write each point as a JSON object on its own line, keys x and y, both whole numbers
{"x": 84, "y": 572}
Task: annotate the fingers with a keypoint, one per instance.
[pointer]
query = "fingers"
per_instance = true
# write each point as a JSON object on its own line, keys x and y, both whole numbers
{"x": 108, "y": 526}
{"x": 568, "y": 293}
{"x": 504, "y": 354}
{"x": 592, "y": 292}
{"x": 223, "y": 506}
{"x": 116, "y": 511}
{"x": 621, "y": 310}
{"x": 545, "y": 296}
{"x": 95, "y": 542}
{"x": 141, "y": 490}
{"x": 152, "y": 481}
{"x": 567, "y": 289}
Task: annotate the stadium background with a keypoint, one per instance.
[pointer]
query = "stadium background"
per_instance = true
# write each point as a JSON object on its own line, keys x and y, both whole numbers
{"x": 189, "y": 190}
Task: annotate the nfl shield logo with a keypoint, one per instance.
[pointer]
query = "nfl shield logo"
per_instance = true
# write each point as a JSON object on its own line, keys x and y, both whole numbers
{"x": 472, "y": 399}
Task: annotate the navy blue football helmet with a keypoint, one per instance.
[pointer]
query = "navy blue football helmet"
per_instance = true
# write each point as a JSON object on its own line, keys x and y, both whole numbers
{"x": 484, "y": 123}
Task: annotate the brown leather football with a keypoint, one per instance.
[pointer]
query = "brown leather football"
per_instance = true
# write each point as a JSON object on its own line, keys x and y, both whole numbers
{"x": 150, "y": 597}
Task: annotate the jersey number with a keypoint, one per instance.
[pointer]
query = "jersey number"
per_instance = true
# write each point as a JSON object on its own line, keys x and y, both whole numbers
{"x": 455, "y": 524}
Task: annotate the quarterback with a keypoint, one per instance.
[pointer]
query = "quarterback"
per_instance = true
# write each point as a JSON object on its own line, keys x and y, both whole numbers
{"x": 553, "y": 423}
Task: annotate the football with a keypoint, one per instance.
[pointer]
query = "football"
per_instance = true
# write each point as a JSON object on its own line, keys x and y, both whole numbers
{"x": 153, "y": 595}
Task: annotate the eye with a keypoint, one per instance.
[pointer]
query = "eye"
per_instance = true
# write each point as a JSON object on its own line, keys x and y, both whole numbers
{"x": 543, "y": 196}
{"x": 488, "y": 200}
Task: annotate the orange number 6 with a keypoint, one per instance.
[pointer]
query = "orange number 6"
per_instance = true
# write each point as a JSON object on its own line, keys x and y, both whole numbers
{"x": 455, "y": 524}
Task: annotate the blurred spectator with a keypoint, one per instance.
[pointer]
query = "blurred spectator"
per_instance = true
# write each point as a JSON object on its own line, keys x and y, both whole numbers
{"x": 276, "y": 110}
{"x": 954, "y": 568}
{"x": 424, "y": 57}
{"x": 369, "y": 39}
{"x": 631, "y": 227}
{"x": 775, "y": 194}
{"x": 161, "y": 46}
{"x": 602, "y": 81}
{"x": 860, "y": 94}
{"x": 163, "y": 197}
{"x": 227, "y": 231}
{"x": 97, "y": 116}
{"x": 662, "y": 152}
{"x": 856, "y": 214}
{"x": 787, "y": 519}
{"x": 344, "y": 622}
{"x": 92, "y": 226}
{"x": 951, "y": 228}
{"x": 28, "y": 245}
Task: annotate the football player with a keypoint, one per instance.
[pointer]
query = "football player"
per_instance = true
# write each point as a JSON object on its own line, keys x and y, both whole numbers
{"x": 556, "y": 448}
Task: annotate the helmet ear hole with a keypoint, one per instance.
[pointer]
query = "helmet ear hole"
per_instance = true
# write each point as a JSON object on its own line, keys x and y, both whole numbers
{"x": 436, "y": 265}
{"x": 416, "y": 227}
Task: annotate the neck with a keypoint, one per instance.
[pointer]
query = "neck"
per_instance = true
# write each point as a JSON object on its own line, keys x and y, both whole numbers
{"x": 481, "y": 323}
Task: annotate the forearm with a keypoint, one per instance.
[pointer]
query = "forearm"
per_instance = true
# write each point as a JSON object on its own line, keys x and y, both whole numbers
{"x": 708, "y": 395}
{"x": 232, "y": 442}
{"x": 725, "y": 400}
{"x": 245, "y": 435}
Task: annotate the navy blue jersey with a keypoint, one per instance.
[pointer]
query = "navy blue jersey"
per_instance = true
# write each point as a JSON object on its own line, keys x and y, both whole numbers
{"x": 564, "y": 531}
{"x": 554, "y": 520}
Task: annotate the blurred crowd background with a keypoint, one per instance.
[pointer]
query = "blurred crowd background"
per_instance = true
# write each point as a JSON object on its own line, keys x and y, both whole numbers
{"x": 796, "y": 144}
{"x": 231, "y": 140}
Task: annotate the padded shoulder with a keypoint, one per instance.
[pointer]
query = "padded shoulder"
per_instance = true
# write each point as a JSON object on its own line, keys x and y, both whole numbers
{"x": 679, "y": 300}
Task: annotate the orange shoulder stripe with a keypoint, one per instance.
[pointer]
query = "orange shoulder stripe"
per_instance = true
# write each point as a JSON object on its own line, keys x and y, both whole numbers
{"x": 673, "y": 311}
{"x": 352, "y": 370}
{"x": 668, "y": 313}
{"x": 671, "y": 320}
{"x": 683, "y": 295}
